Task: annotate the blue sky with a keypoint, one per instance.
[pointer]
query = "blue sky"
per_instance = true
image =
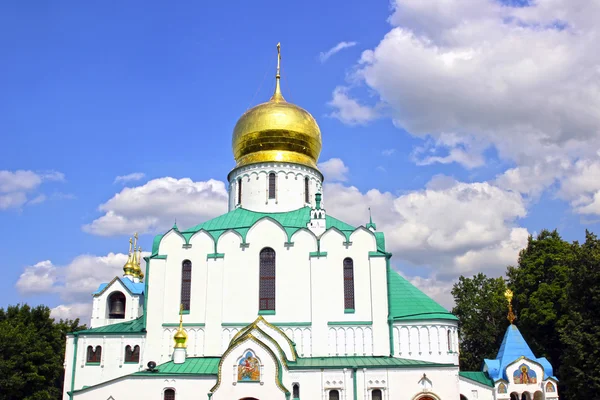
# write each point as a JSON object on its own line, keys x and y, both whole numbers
{"x": 420, "y": 115}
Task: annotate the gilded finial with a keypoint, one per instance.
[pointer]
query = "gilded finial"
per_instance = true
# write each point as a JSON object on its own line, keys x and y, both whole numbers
{"x": 128, "y": 268}
{"x": 180, "y": 336}
{"x": 511, "y": 315}
{"x": 277, "y": 96}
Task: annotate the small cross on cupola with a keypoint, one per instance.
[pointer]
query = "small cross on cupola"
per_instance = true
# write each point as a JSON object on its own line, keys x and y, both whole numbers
{"x": 318, "y": 221}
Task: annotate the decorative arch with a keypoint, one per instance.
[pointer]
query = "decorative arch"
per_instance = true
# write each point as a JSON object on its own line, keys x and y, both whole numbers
{"x": 263, "y": 220}
{"x": 312, "y": 235}
{"x": 248, "y": 367}
{"x": 361, "y": 229}
{"x": 115, "y": 305}
{"x": 132, "y": 354}
{"x": 502, "y": 388}
{"x": 538, "y": 395}
{"x": 426, "y": 396}
{"x": 550, "y": 388}
{"x": 94, "y": 355}
{"x": 199, "y": 235}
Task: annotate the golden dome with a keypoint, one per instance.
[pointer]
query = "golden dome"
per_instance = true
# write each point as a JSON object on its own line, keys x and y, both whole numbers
{"x": 277, "y": 131}
{"x": 180, "y": 336}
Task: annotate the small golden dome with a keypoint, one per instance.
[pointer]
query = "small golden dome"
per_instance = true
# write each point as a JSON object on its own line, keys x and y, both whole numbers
{"x": 180, "y": 336}
{"x": 277, "y": 131}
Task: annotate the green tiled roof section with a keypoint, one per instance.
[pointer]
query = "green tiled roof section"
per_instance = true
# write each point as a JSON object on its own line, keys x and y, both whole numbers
{"x": 479, "y": 377}
{"x": 359, "y": 362}
{"x": 336, "y": 223}
{"x": 135, "y": 326}
{"x": 380, "y": 238}
{"x": 155, "y": 243}
{"x": 191, "y": 366}
{"x": 409, "y": 303}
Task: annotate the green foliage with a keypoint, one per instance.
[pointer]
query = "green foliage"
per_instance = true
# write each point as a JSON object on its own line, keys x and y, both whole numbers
{"x": 557, "y": 302}
{"x": 32, "y": 348}
{"x": 481, "y": 310}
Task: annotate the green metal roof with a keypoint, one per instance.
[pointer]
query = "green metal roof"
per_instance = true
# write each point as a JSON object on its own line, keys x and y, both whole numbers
{"x": 241, "y": 220}
{"x": 135, "y": 326}
{"x": 191, "y": 366}
{"x": 408, "y": 303}
{"x": 360, "y": 362}
{"x": 479, "y": 377}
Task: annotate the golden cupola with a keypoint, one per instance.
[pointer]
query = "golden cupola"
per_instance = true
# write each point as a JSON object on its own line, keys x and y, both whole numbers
{"x": 276, "y": 131}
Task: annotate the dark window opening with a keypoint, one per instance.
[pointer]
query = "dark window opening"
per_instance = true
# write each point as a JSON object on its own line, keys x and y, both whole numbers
{"x": 169, "y": 394}
{"x": 116, "y": 305}
{"x": 376, "y": 395}
{"x": 132, "y": 354}
{"x": 94, "y": 355}
{"x": 239, "y": 188}
{"x": 334, "y": 395}
{"x": 267, "y": 279}
{"x": 186, "y": 284}
{"x": 272, "y": 185}
{"x": 296, "y": 391}
{"x": 306, "y": 192}
{"x": 348, "y": 284}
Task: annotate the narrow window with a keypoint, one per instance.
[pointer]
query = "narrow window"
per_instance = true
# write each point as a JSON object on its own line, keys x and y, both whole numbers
{"x": 306, "y": 192}
{"x": 376, "y": 395}
{"x": 348, "y": 284}
{"x": 169, "y": 394}
{"x": 94, "y": 355}
{"x": 296, "y": 391}
{"x": 186, "y": 284}
{"x": 132, "y": 355}
{"x": 449, "y": 340}
{"x": 267, "y": 279}
{"x": 239, "y": 188}
{"x": 334, "y": 395}
{"x": 272, "y": 185}
{"x": 116, "y": 305}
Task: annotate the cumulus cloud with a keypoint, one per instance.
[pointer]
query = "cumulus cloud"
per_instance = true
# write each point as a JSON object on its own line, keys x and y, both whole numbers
{"x": 155, "y": 205}
{"x": 72, "y": 283}
{"x": 334, "y": 170}
{"x": 17, "y": 186}
{"x": 324, "y": 56}
{"x": 523, "y": 80}
{"x": 135, "y": 176}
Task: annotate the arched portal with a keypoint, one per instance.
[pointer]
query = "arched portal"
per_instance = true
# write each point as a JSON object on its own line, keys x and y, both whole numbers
{"x": 116, "y": 305}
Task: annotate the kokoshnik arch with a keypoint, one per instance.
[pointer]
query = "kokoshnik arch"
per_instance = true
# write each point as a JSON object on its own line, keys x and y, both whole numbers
{"x": 277, "y": 299}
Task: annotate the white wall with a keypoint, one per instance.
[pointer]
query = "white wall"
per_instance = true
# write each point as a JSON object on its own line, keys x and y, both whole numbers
{"x": 427, "y": 341}
{"x": 473, "y": 390}
{"x": 290, "y": 189}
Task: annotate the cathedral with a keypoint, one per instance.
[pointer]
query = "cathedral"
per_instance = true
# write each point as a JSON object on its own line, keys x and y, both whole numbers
{"x": 278, "y": 300}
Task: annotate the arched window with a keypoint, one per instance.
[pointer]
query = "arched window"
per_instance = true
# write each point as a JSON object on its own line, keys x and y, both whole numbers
{"x": 449, "y": 340}
{"x": 514, "y": 396}
{"x": 334, "y": 395}
{"x": 296, "y": 391}
{"x": 526, "y": 396}
{"x": 348, "y": 284}
{"x": 132, "y": 355}
{"x": 306, "y": 191}
{"x": 267, "y": 279}
{"x": 94, "y": 355}
{"x": 116, "y": 305}
{"x": 186, "y": 284}
{"x": 376, "y": 395}
{"x": 272, "y": 179}
{"x": 239, "y": 190}
{"x": 169, "y": 394}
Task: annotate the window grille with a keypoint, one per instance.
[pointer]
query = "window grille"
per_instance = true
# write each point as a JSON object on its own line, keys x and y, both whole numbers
{"x": 169, "y": 394}
{"x": 267, "y": 279}
{"x": 94, "y": 355}
{"x": 272, "y": 179}
{"x": 132, "y": 354}
{"x": 306, "y": 191}
{"x": 186, "y": 284}
{"x": 348, "y": 284}
{"x": 239, "y": 182}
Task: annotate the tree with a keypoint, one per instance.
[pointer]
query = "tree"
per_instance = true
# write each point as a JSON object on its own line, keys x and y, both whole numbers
{"x": 481, "y": 309}
{"x": 32, "y": 348}
{"x": 580, "y": 330}
{"x": 540, "y": 282}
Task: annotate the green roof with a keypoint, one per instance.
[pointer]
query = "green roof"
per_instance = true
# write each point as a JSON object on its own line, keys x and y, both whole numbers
{"x": 409, "y": 303}
{"x": 241, "y": 220}
{"x": 135, "y": 326}
{"x": 359, "y": 362}
{"x": 191, "y": 366}
{"x": 479, "y": 377}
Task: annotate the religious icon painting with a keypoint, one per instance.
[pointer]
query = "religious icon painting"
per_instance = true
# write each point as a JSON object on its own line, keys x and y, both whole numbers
{"x": 249, "y": 368}
{"x": 524, "y": 375}
{"x": 502, "y": 388}
{"x": 550, "y": 388}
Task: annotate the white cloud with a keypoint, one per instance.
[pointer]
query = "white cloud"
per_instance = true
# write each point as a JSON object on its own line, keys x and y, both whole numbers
{"x": 455, "y": 227}
{"x": 523, "y": 80}
{"x": 388, "y": 152}
{"x": 135, "y": 176}
{"x": 72, "y": 283}
{"x": 334, "y": 170}
{"x": 155, "y": 205}
{"x": 335, "y": 49}
{"x": 349, "y": 110}
{"x": 16, "y": 186}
